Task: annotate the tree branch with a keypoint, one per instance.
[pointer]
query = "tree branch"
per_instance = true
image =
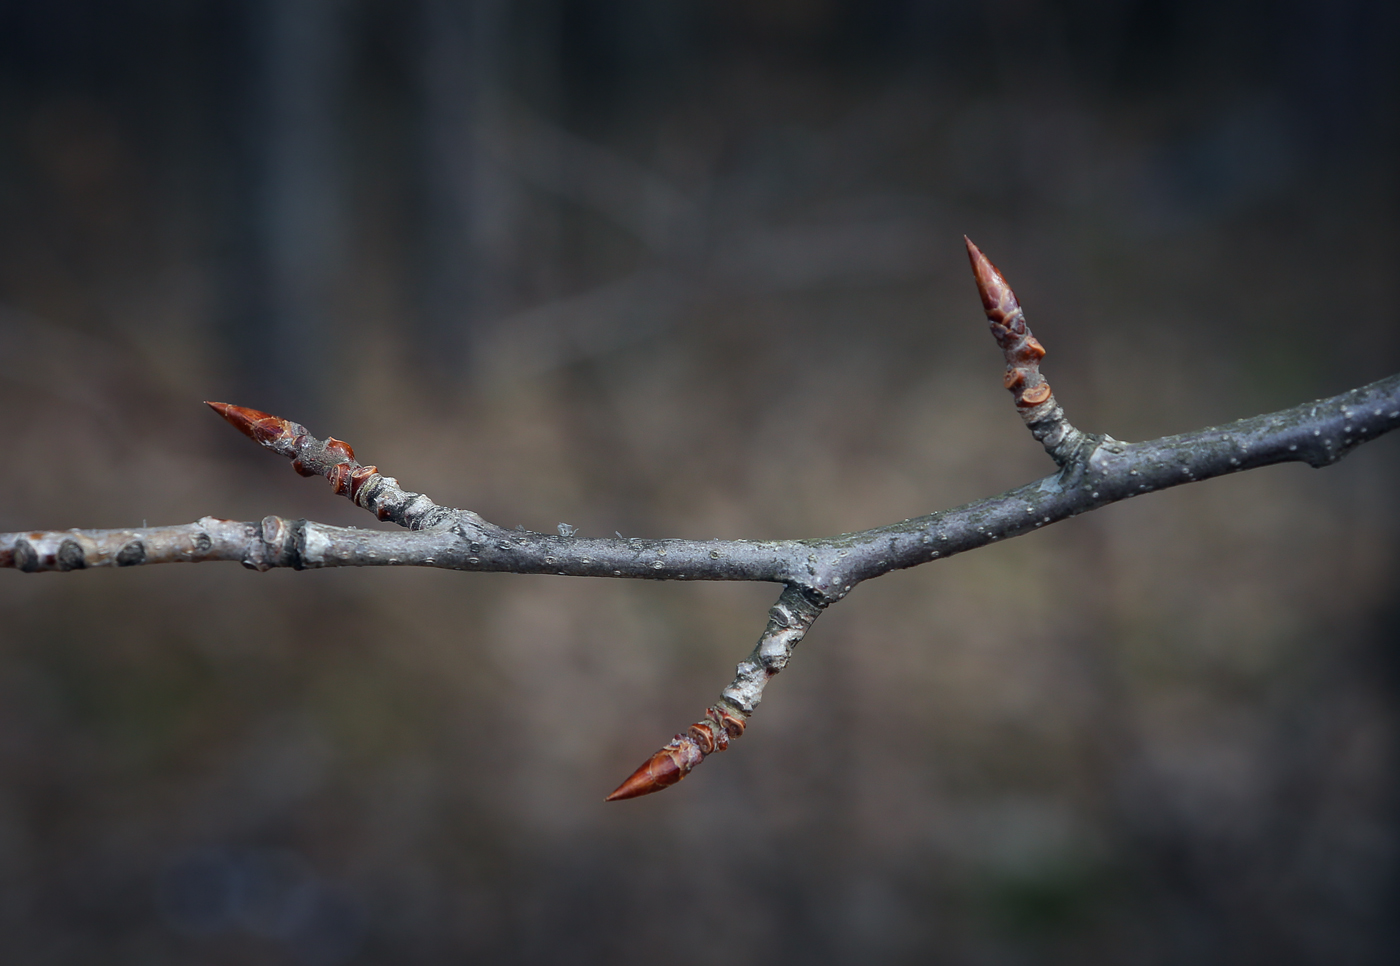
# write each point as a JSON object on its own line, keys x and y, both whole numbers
{"x": 1094, "y": 471}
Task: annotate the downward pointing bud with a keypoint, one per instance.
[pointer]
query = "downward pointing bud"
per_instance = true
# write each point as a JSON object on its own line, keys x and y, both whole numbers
{"x": 661, "y": 770}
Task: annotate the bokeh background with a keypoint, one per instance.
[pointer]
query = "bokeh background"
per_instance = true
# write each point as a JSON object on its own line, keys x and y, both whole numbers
{"x": 695, "y": 268}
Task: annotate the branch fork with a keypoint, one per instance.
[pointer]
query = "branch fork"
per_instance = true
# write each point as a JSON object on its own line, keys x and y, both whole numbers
{"x": 1094, "y": 470}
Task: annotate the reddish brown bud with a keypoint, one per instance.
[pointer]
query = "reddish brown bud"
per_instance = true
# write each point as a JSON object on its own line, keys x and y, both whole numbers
{"x": 998, "y": 300}
{"x": 340, "y": 447}
{"x": 1023, "y": 351}
{"x": 661, "y": 770}
{"x": 358, "y": 478}
{"x": 339, "y": 477}
{"x": 262, "y": 427}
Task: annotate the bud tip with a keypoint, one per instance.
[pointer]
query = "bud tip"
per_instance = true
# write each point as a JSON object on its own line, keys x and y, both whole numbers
{"x": 996, "y": 294}
{"x": 662, "y": 770}
{"x": 258, "y": 426}
{"x": 659, "y": 771}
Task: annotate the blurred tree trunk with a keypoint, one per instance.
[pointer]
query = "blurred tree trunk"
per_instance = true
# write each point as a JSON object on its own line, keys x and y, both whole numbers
{"x": 468, "y": 222}
{"x": 290, "y": 252}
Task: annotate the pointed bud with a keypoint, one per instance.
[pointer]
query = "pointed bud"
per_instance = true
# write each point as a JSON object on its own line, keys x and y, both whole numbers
{"x": 261, "y": 427}
{"x": 661, "y": 770}
{"x": 997, "y": 298}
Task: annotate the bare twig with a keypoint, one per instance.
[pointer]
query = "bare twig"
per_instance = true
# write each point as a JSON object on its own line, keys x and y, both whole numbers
{"x": 1034, "y": 400}
{"x": 1094, "y": 471}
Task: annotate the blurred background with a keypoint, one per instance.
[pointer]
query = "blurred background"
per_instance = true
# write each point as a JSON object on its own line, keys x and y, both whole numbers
{"x": 694, "y": 268}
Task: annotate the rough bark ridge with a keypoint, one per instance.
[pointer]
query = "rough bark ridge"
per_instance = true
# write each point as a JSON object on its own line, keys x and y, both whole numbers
{"x": 1094, "y": 470}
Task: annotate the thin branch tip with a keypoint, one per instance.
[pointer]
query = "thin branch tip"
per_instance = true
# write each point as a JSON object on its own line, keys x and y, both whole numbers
{"x": 678, "y": 757}
{"x": 788, "y": 622}
{"x": 335, "y": 459}
{"x": 1030, "y": 390}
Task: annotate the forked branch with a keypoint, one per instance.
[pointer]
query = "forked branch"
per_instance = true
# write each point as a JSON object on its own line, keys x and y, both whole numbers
{"x": 1093, "y": 471}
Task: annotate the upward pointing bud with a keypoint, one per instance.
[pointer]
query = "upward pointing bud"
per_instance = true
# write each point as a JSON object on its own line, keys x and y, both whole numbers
{"x": 271, "y": 431}
{"x": 1023, "y": 352}
{"x": 997, "y": 298}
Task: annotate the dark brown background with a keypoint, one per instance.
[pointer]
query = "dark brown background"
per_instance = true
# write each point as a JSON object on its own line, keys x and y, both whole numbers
{"x": 695, "y": 269}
